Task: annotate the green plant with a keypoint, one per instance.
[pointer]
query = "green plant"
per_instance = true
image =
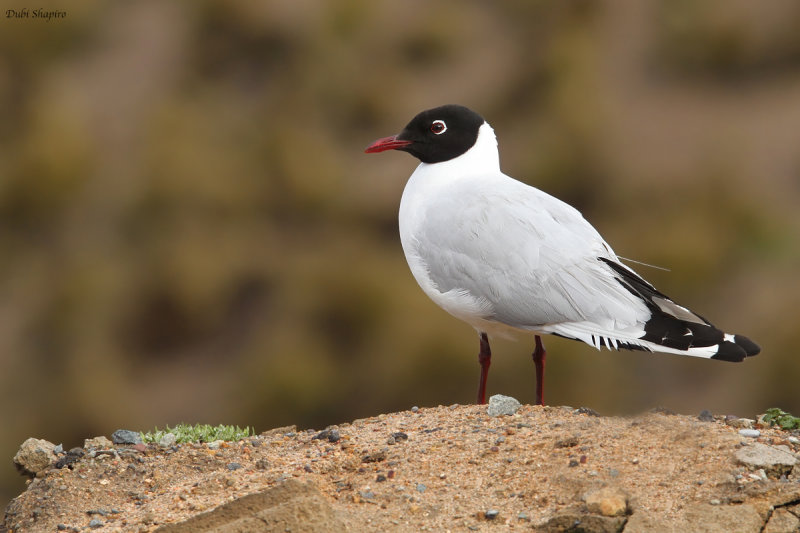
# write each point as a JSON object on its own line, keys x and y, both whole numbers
{"x": 199, "y": 433}
{"x": 778, "y": 417}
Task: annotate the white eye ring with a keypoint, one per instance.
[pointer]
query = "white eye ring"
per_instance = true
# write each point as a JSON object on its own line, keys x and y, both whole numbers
{"x": 438, "y": 124}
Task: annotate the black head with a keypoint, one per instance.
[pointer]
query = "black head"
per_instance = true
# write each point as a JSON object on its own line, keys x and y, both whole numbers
{"x": 435, "y": 135}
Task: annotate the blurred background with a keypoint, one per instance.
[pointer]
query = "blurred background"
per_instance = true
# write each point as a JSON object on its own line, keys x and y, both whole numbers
{"x": 191, "y": 232}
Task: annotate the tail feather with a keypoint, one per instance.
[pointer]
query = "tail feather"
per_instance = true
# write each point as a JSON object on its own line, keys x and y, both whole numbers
{"x": 675, "y": 329}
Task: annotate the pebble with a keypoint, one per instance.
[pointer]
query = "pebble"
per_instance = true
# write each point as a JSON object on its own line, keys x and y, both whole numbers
{"x": 233, "y": 466}
{"x": 491, "y": 514}
{"x": 502, "y": 405}
{"x": 35, "y": 456}
{"x": 167, "y": 440}
{"x": 421, "y": 487}
{"x": 414, "y": 409}
{"x": 214, "y": 445}
{"x": 95, "y": 523}
{"x": 744, "y": 423}
{"x": 752, "y": 433}
{"x": 331, "y": 434}
{"x": 706, "y": 416}
{"x": 126, "y": 436}
{"x": 607, "y": 501}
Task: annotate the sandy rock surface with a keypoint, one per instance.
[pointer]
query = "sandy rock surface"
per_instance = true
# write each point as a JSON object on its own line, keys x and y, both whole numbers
{"x": 437, "y": 469}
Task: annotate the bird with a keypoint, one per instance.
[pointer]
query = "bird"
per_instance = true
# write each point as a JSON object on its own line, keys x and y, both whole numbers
{"x": 506, "y": 257}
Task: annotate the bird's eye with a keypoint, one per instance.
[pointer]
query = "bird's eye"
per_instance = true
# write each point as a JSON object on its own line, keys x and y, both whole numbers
{"x": 438, "y": 127}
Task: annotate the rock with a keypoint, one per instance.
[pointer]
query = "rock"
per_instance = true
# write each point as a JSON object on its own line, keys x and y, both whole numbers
{"x": 95, "y": 523}
{"x": 775, "y": 460}
{"x": 608, "y": 501}
{"x": 100, "y": 442}
{"x": 126, "y": 436}
{"x": 491, "y": 514}
{"x": 502, "y": 405}
{"x": 752, "y": 433}
{"x": 705, "y": 416}
{"x": 782, "y": 521}
{"x": 290, "y": 506}
{"x": 168, "y": 440}
{"x": 741, "y": 423}
{"x": 330, "y": 434}
{"x": 576, "y": 522}
{"x": 699, "y": 517}
{"x": 35, "y": 456}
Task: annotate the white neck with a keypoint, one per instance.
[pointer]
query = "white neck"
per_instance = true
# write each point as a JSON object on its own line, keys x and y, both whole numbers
{"x": 482, "y": 158}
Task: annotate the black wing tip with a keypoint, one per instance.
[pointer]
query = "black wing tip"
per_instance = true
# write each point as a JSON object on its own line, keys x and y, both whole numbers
{"x": 736, "y": 351}
{"x": 747, "y": 345}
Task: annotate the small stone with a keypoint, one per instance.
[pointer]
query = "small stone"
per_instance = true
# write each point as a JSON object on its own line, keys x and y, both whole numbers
{"x": 34, "y": 456}
{"x": 421, "y": 487}
{"x": 608, "y": 501}
{"x": 126, "y": 436}
{"x": 573, "y": 463}
{"x": 751, "y": 433}
{"x": 586, "y": 411}
{"x": 502, "y": 405}
{"x": 399, "y": 435}
{"x": 330, "y": 434}
{"x": 714, "y": 501}
{"x": 61, "y": 527}
{"x": 523, "y": 516}
{"x": 491, "y": 514}
{"x": 743, "y": 423}
{"x": 414, "y": 409}
{"x": 233, "y": 466}
{"x": 95, "y": 523}
{"x": 569, "y": 442}
{"x": 214, "y": 445}
{"x": 381, "y": 478}
{"x": 705, "y": 416}
{"x": 374, "y": 457}
{"x": 168, "y": 440}
{"x": 98, "y": 443}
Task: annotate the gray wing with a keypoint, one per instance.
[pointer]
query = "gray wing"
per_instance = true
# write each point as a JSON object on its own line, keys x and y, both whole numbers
{"x": 530, "y": 256}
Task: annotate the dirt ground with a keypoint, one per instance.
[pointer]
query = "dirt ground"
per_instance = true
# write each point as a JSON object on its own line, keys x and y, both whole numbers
{"x": 434, "y": 469}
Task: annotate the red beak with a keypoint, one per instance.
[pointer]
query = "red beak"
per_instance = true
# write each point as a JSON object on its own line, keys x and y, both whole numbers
{"x": 387, "y": 143}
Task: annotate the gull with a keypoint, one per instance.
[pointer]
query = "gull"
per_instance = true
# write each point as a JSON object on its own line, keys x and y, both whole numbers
{"x": 506, "y": 257}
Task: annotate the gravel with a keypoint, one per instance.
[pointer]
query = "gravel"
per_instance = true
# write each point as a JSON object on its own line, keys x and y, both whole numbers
{"x": 445, "y": 476}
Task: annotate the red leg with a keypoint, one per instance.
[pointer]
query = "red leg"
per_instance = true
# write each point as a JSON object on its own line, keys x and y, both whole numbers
{"x": 485, "y": 359}
{"x": 539, "y": 355}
